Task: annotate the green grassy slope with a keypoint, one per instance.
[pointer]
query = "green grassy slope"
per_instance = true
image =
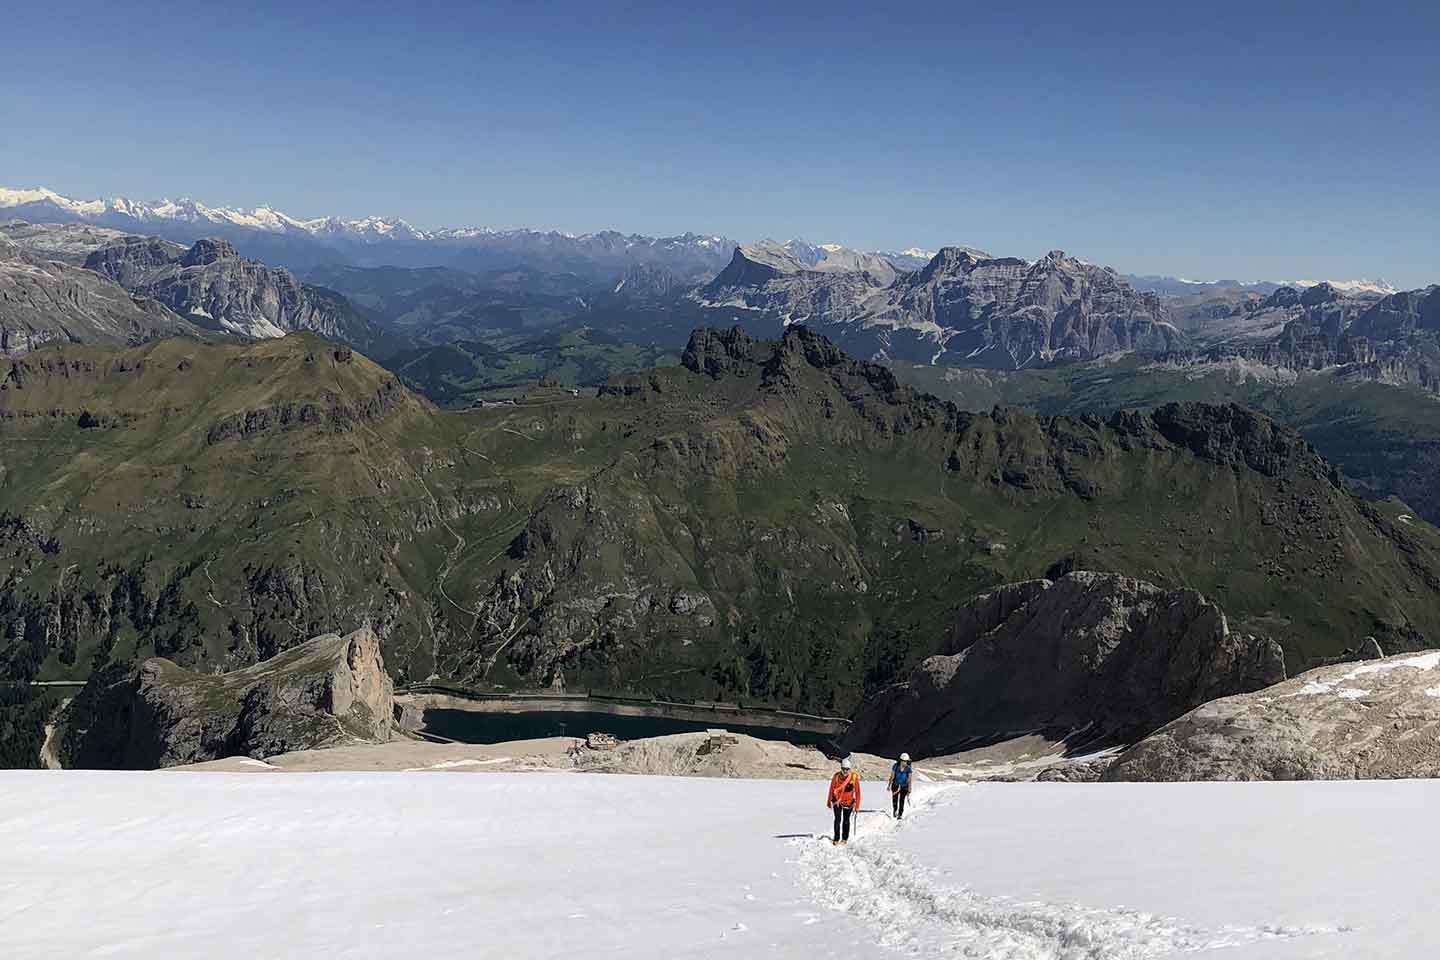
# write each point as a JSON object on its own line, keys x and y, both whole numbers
{"x": 459, "y": 373}
{"x": 205, "y": 502}
{"x": 771, "y": 522}
{"x": 1386, "y": 439}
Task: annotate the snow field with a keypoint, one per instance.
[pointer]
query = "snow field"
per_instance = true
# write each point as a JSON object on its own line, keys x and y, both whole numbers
{"x": 914, "y": 909}
{"x": 568, "y": 865}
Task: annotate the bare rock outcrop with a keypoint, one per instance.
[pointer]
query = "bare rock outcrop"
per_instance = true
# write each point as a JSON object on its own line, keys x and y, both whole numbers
{"x": 792, "y": 282}
{"x": 1008, "y": 313}
{"x": 963, "y": 307}
{"x": 1090, "y": 657}
{"x": 1379, "y": 719}
{"x": 44, "y": 301}
{"x": 328, "y": 691}
{"x": 211, "y": 282}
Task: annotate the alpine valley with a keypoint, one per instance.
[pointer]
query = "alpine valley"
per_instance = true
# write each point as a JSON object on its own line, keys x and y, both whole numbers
{"x": 795, "y": 475}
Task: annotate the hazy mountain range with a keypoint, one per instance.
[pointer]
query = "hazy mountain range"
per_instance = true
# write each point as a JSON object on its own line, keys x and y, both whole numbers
{"x": 189, "y": 473}
{"x": 301, "y": 243}
{"x": 44, "y": 301}
{"x": 280, "y": 239}
{"x": 1181, "y": 287}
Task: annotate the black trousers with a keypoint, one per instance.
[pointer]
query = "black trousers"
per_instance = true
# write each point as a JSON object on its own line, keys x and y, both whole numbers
{"x": 897, "y": 801}
{"x": 842, "y": 822}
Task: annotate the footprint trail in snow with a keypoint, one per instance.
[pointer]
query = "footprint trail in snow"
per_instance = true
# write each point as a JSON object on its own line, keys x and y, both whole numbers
{"x": 912, "y": 910}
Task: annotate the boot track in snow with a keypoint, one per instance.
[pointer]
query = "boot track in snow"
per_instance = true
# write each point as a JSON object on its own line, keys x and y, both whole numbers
{"x": 912, "y": 910}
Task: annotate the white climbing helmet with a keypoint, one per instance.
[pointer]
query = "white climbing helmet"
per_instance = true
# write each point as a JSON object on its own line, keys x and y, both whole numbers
{"x": 905, "y": 757}
{"x": 845, "y": 764}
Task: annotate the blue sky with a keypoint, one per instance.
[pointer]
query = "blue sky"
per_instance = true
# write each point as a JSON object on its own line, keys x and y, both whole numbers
{"x": 1270, "y": 140}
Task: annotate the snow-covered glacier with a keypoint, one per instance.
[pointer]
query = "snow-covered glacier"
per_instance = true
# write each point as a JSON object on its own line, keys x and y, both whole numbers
{"x": 439, "y": 865}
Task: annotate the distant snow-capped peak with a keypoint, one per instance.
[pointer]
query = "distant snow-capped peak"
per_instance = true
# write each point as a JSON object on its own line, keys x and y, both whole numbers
{"x": 114, "y": 211}
{"x": 15, "y": 198}
{"x": 1380, "y": 287}
{"x": 1348, "y": 286}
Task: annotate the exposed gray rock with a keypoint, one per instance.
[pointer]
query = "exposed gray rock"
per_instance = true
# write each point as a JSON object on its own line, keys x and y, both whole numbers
{"x": 131, "y": 261}
{"x": 1367, "y": 649}
{"x": 792, "y": 288}
{"x": 213, "y": 284}
{"x": 1007, "y": 313}
{"x": 718, "y": 353}
{"x": 686, "y": 602}
{"x": 1393, "y": 339}
{"x": 769, "y": 259}
{"x": 1075, "y": 771}
{"x": 277, "y": 238}
{"x": 1091, "y": 655}
{"x": 1376, "y": 720}
{"x": 327, "y": 691}
{"x": 44, "y": 301}
{"x": 1402, "y": 314}
{"x": 648, "y": 283}
{"x": 964, "y": 307}
{"x": 66, "y": 242}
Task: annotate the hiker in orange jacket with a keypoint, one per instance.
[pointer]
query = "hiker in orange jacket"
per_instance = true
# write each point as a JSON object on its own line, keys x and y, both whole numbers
{"x": 844, "y": 799}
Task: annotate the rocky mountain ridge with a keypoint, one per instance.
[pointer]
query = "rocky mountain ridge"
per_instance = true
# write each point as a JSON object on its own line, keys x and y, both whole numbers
{"x": 1179, "y": 286}
{"x": 1393, "y": 339}
{"x": 211, "y": 283}
{"x": 772, "y": 521}
{"x": 64, "y": 242}
{"x": 1378, "y": 719}
{"x": 559, "y": 560}
{"x": 330, "y": 690}
{"x": 298, "y": 243}
{"x": 799, "y": 255}
{"x": 962, "y": 308}
{"x": 44, "y": 301}
{"x": 787, "y": 289}
{"x": 1089, "y": 659}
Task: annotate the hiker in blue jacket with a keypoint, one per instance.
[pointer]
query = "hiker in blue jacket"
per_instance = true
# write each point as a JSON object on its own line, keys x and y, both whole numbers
{"x": 900, "y": 785}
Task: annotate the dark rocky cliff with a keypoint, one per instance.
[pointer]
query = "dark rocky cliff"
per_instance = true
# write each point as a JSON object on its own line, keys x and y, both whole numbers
{"x": 326, "y": 691}
{"x": 1089, "y": 658}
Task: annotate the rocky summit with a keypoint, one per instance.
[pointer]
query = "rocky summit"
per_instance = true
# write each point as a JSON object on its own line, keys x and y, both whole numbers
{"x": 963, "y": 308}
{"x": 795, "y": 284}
{"x": 47, "y": 301}
{"x": 770, "y": 520}
{"x": 1392, "y": 339}
{"x": 1090, "y": 658}
{"x": 1377, "y": 719}
{"x": 1007, "y": 313}
{"x": 212, "y": 284}
{"x": 328, "y": 691}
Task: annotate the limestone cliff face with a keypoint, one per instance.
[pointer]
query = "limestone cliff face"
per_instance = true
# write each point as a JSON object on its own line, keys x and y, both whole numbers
{"x": 963, "y": 307}
{"x": 43, "y": 301}
{"x": 772, "y": 281}
{"x": 1091, "y": 655}
{"x": 327, "y": 691}
{"x": 1374, "y": 720}
{"x": 1393, "y": 340}
{"x": 213, "y": 282}
{"x": 1007, "y": 313}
